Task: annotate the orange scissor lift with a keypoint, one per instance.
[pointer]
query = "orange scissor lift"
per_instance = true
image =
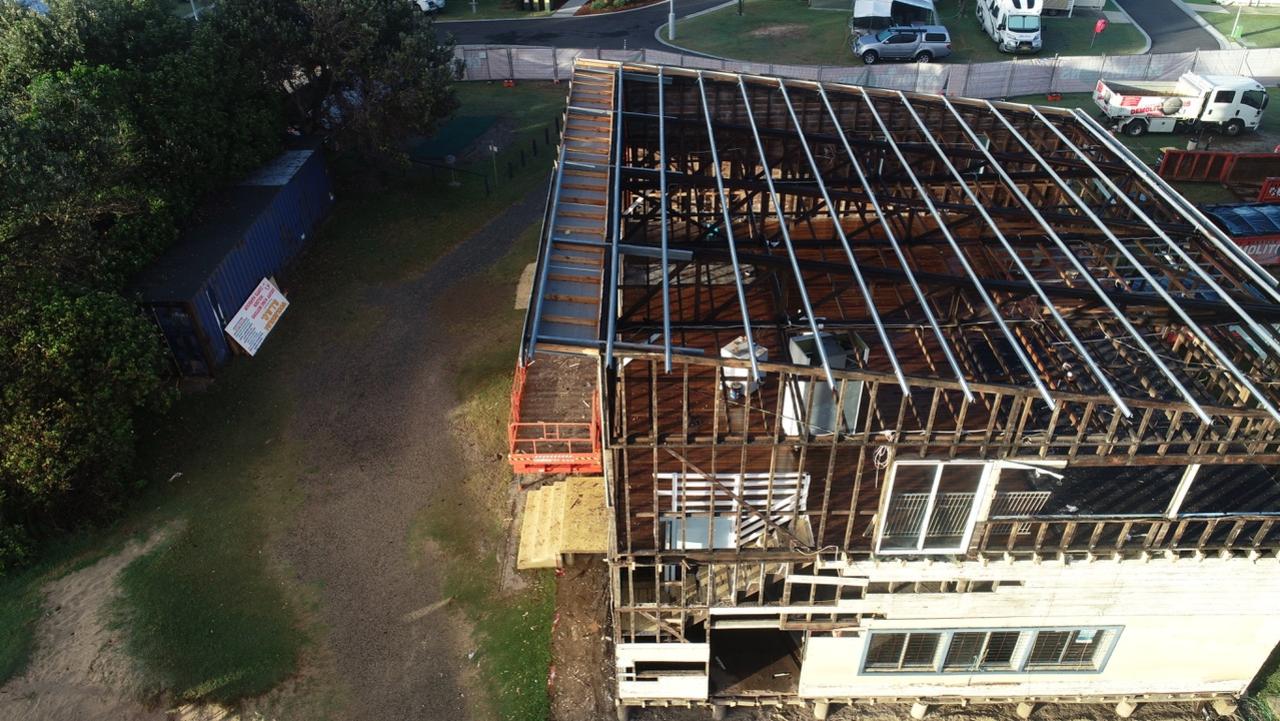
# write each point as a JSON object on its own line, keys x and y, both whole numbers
{"x": 555, "y": 415}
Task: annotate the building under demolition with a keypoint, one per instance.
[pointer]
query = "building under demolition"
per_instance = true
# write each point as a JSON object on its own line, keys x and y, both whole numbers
{"x": 896, "y": 398}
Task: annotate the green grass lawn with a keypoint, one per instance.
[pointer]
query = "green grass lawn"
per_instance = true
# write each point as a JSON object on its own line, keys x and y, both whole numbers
{"x": 786, "y": 31}
{"x": 1061, "y": 35}
{"x": 209, "y": 615}
{"x": 205, "y": 615}
{"x": 1259, "y": 27}
{"x": 770, "y": 31}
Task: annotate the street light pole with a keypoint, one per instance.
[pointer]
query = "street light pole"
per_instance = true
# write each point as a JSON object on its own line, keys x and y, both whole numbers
{"x": 671, "y": 20}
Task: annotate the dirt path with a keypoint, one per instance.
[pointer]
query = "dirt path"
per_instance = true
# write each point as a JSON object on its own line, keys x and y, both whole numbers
{"x": 79, "y": 671}
{"x": 374, "y": 424}
{"x": 579, "y": 644}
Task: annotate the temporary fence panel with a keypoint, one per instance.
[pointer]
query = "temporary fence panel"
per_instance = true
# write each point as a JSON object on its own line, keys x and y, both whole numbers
{"x": 1032, "y": 75}
{"x": 533, "y": 63}
{"x": 1220, "y": 62}
{"x": 849, "y": 76}
{"x": 1020, "y": 76}
{"x": 1168, "y": 66}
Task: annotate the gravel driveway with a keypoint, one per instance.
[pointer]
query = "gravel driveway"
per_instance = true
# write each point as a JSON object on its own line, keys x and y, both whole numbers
{"x": 372, "y": 420}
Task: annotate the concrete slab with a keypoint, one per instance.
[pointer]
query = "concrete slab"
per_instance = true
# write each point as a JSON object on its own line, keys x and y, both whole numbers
{"x": 1116, "y": 17}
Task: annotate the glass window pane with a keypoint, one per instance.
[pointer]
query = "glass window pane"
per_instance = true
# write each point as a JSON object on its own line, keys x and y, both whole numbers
{"x": 957, "y": 491}
{"x": 1000, "y": 649}
{"x": 911, "y": 486}
{"x": 922, "y": 649}
{"x": 1082, "y": 649}
{"x": 963, "y": 653}
{"x": 1048, "y": 647}
{"x": 884, "y": 650}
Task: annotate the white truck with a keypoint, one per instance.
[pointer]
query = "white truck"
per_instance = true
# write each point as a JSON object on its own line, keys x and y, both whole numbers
{"x": 1013, "y": 24}
{"x": 1227, "y": 103}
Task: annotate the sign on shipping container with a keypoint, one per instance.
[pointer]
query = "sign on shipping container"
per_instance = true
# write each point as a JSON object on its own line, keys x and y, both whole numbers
{"x": 259, "y": 314}
{"x": 1270, "y": 191}
{"x": 1266, "y": 251}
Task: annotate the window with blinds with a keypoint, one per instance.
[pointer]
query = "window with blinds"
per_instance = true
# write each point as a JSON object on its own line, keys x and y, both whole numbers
{"x": 982, "y": 651}
{"x": 1078, "y": 650}
{"x": 903, "y": 651}
{"x": 989, "y": 650}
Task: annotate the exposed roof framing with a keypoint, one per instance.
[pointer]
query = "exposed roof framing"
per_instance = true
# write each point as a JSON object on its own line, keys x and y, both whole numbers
{"x": 965, "y": 242}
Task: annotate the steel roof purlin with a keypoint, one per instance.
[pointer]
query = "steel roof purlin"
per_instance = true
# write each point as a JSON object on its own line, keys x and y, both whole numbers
{"x": 844, "y": 242}
{"x": 1155, "y": 285}
{"x": 786, "y": 239}
{"x": 974, "y": 248}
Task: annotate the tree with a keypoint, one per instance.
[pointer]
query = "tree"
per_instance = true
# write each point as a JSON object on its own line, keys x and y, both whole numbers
{"x": 115, "y": 117}
{"x": 366, "y": 72}
{"x": 76, "y": 369}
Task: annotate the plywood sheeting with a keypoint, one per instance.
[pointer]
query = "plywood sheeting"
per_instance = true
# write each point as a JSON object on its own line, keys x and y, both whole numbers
{"x": 585, "y": 528}
{"x": 565, "y": 517}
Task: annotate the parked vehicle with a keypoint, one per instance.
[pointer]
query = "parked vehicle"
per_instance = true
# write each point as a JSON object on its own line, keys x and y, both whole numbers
{"x": 1229, "y": 103}
{"x": 1014, "y": 25}
{"x": 920, "y": 43}
{"x": 430, "y": 6}
{"x": 871, "y": 16}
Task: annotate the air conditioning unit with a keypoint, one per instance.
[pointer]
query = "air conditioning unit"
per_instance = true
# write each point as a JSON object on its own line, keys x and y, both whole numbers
{"x": 845, "y": 351}
{"x": 738, "y": 381}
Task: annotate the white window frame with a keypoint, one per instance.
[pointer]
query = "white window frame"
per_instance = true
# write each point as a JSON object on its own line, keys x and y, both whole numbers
{"x": 980, "y": 502}
{"x": 1020, "y": 663}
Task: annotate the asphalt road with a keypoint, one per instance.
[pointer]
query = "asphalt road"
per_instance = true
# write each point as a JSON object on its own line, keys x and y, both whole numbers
{"x": 633, "y": 29}
{"x": 1171, "y": 29}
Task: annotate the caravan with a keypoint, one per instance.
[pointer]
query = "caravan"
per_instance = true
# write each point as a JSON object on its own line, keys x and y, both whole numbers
{"x": 1013, "y": 24}
{"x": 870, "y": 16}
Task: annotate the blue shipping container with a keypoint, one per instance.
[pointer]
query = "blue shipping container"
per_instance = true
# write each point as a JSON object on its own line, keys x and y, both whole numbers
{"x": 248, "y": 232}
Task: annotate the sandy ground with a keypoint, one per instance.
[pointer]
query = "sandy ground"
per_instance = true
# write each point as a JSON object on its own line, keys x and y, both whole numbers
{"x": 780, "y": 32}
{"x": 374, "y": 422}
{"x": 79, "y": 671}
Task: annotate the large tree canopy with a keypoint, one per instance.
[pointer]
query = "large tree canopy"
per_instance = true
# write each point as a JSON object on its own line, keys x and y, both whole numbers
{"x": 116, "y": 116}
{"x": 367, "y": 72}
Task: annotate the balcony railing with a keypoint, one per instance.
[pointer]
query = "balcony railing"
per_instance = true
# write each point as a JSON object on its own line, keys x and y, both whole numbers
{"x": 1051, "y": 535}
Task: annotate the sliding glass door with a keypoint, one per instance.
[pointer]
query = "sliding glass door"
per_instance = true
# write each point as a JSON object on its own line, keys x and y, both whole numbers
{"x": 931, "y": 506}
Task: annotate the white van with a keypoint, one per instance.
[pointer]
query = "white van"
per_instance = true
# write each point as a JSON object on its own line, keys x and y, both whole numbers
{"x": 1013, "y": 24}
